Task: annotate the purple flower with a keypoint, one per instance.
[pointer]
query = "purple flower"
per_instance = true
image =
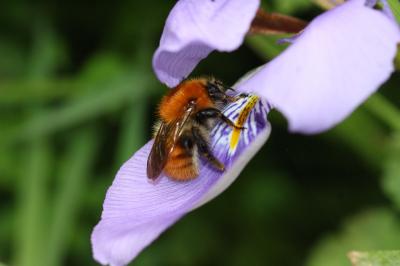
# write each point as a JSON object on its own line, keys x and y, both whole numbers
{"x": 137, "y": 211}
{"x": 342, "y": 57}
{"x": 194, "y": 28}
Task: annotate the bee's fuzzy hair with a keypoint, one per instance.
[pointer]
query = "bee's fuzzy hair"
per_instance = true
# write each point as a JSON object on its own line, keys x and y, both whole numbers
{"x": 156, "y": 127}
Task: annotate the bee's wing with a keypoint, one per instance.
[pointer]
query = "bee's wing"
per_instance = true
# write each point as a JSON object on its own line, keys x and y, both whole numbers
{"x": 164, "y": 143}
{"x": 158, "y": 154}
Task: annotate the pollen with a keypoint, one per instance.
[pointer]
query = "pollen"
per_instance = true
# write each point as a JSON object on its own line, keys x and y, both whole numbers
{"x": 244, "y": 113}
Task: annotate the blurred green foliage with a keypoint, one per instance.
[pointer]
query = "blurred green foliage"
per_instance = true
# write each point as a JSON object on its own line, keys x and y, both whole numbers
{"x": 377, "y": 258}
{"x": 395, "y": 7}
{"x": 77, "y": 99}
{"x": 370, "y": 230}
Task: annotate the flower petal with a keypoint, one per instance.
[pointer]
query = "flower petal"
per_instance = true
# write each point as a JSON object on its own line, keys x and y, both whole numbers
{"x": 341, "y": 58}
{"x": 135, "y": 211}
{"x": 194, "y": 28}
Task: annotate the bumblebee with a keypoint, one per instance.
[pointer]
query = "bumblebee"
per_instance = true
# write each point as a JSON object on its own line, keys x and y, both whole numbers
{"x": 187, "y": 115}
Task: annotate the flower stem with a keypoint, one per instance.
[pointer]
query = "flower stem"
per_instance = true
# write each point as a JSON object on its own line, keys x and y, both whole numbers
{"x": 384, "y": 110}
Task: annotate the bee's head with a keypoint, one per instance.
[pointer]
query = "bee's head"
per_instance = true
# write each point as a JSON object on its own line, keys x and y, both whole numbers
{"x": 217, "y": 90}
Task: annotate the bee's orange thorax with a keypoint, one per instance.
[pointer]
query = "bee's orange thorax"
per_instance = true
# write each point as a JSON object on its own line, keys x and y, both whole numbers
{"x": 173, "y": 105}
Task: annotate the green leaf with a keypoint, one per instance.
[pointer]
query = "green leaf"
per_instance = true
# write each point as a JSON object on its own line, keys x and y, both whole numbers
{"x": 99, "y": 69}
{"x": 47, "y": 53}
{"x": 7, "y": 224}
{"x": 266, "y": 47}
{"x": 327, "y": 4}
{"x": 113, "y": 95}
{"x": 395, "y": 7}
{"x": 74, "y": 174}
{"x": 377, "y": 229}
{"x": 375, "y": 258}
{"x": 13, "y": 61}
{"x": 98, "y": 72}
{"x": 369, "y": 143}
{"x": 32, "y": 205}
{"x": 290, "y": 6}
{"x": 397, "y": 59}
{"x": 9, "y": 167}
{"x": 133, "y": 133}
{"x": 384, "y": 110}
{"x": 286, "y": 6}
{"x": 28, "y": 92}
{"x": 391, "y": 171}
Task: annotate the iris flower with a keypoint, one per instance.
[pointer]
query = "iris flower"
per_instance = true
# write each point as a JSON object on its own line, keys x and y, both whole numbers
{"x": 332, "y": 66}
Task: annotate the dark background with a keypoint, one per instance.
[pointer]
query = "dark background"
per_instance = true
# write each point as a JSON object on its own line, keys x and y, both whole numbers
{"x": 77, "y": 99}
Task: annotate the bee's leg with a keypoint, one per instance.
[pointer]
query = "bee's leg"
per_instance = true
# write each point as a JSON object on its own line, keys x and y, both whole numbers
{"x": 205, "y": 114}
{"x": 204, "y": 149}
{"x": 233, "y": 99}
{"x": 217, "y": 92}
